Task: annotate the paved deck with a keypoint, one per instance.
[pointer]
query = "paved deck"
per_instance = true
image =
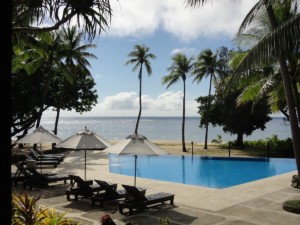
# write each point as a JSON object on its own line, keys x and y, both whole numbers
{"x": 258, "y": 202}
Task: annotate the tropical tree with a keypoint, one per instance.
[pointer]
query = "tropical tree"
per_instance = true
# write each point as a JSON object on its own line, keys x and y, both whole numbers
{"x": 42, "y": 68}
{"x": 275, "y": 45}
{"x": 207, "y": 65}
{"x": 140, "y": 57}
{"x": 179, "y": 69}
{"x": 75, "y": 56}
{"x": 267, "y": 79}
{"x": 92, "y": 15}
{"x": 224, "y": 110}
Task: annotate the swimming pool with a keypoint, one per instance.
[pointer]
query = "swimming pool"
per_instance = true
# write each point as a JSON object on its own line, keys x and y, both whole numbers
{"x": 213, "y": 172}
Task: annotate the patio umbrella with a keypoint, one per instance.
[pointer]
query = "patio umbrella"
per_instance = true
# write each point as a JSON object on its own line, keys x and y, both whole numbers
{"x": 135, "y": 145}
{"x": 39, "y": 136}
{"x": 84, "y": 140}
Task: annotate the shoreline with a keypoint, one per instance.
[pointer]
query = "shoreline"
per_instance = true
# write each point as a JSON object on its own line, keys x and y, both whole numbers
{"x": 173, "y": 147}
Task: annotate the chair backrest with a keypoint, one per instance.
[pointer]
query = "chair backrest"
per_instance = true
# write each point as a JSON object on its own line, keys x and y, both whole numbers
{"x": 77, "y": 179}
{"x": 108, "y": 188}
{"x": 134, "y": 194}
{"x": 33, "y": 152}
{"x": 28, "y": 156}
{"x": 38, "y": 152}
{"x": 80, "y": 182}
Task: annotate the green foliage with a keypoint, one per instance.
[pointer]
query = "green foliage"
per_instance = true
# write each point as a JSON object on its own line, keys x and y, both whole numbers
{"x": 293, "y": 203}
{"x": 224, "y": 112}
{"x": 92, "y": 16}
{"x": 50, "y": 70}
{"x": 218, "y": 140}
{"x": 26, "y": 211}
{"x": 278, "y": 148}
{"x": 54, "y": 218}
{"x": 164, "y": 221}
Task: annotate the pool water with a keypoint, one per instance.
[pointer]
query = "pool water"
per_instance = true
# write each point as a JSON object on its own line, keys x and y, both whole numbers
{"x": 213, "y": 172}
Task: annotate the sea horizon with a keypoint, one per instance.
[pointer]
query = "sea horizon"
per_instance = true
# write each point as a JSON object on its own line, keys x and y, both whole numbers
{"x": 159, "y": 128}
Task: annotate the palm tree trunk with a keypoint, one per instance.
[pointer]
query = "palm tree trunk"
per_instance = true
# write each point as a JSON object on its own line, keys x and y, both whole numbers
{"x": 208, "y": 108}
{"x": 56, "y": 120}
{"x": 288, "y": 92}
{"x": 292, "y": 111}
{"x": 140, "y": 100}
{"x": 58, "y": 113}
{"x": 183, "y": 119}
{"x": 239, "y": 140}
{"x": 43, "y": 100}
{"x": 296, "y": 94}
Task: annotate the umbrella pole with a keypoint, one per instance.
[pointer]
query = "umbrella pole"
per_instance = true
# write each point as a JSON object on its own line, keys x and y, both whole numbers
{"x": 135, "y": 159}
{"x": 85, "y": 164}
{"x": 41, "y": 151}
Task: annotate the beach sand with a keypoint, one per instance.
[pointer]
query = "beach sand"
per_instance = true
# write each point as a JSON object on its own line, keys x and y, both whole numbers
{"x": 173, "y": 147}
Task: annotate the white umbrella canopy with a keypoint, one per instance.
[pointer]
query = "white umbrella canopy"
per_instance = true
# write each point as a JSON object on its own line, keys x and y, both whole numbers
{"x": 135, "y": 144}
{"x": 84, "y": 140}
{"x": 40, "y": 136}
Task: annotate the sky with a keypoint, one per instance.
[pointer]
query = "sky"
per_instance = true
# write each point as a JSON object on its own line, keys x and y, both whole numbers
{"x": 166, "y": 27}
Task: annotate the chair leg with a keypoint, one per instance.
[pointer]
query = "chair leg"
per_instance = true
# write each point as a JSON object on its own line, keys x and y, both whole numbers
{"x": 68, "y": 196}
{"x": 121, "y": 209}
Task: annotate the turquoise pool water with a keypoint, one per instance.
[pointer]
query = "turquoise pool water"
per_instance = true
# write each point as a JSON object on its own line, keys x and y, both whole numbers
{"x": 213, "y": 172}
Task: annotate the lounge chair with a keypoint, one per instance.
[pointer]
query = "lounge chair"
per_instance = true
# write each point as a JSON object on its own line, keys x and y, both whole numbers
{"x": 43, "y": 179}
{"x": 44, "y": 162}
{"x": 38, "y": 156}
{"x": 110, "y": 193}
{"x": 84, "y": 188}
{"x": 139, "y": 201}
{"x": 59, "y": 155}
{"x": 21, "y": 174}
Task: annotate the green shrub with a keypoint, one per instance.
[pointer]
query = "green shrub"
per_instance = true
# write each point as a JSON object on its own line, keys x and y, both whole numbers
{"x": 26, "y": 211}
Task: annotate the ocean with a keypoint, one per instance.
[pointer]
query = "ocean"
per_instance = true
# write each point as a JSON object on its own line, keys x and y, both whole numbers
{"x": 157, "y": 128}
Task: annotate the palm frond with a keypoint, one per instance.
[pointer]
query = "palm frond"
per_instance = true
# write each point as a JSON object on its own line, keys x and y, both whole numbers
{"x": 282, "y": 39}
{"x": 251, "y": 15}
{"x": 171, "y": 79}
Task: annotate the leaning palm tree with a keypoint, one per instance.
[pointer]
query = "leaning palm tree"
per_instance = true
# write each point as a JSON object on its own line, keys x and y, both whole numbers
{"x": 140, "y": 57}
{"x": 206, "y": 65}
{"x": 180, "y": 67}
{"x": 275, "y": 45}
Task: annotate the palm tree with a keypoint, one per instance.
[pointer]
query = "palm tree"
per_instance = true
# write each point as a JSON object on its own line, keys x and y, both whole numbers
{"x": 75, "y": 55}
{"x": 274, "y": 45}
{"x": 289, "y": 31}
{"x": 180, "y": 67}
{"x": 268, "y": 78}
{"x": 44, "y": 55}
{"x": 93, "y": 16}
{"x": 140, "y": 57}
{"x": 207, "y": 65}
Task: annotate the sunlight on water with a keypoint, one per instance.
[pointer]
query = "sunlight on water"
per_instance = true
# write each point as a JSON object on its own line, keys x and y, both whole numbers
{"x": 156, "y": 128}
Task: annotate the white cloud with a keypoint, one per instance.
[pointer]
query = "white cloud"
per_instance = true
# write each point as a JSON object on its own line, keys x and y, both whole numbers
{"x": 187, "y": 51}
{"x": 121, "y": 101}
{"x": 144, "y": 17}
{"x": 127, "y": 104}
